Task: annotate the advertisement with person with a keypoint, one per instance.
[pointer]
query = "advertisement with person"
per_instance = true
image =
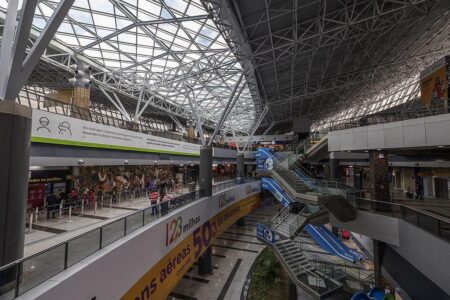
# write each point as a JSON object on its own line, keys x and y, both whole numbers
{"x": 264, "y": 159}
{"x": 434, "y": 84}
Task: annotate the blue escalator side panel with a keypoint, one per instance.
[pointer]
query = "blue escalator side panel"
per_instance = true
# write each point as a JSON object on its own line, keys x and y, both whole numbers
{"x": 315, "y": 234}
{"x": 357, "y": 256}
{"x": 273, "y": 187}
{"x": 328, "y": 245}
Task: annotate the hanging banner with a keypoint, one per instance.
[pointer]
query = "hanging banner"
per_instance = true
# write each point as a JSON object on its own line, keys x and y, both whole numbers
{"x": 56, "y": 129}
{"x": 434, "y": 83}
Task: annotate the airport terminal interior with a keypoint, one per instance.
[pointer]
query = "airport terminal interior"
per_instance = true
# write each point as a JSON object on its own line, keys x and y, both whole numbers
{"x": 224, "y": 149}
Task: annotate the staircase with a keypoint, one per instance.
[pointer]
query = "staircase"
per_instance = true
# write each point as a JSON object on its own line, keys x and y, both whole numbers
{"x": 302, "y": 272}
{"x": 283, "y": 228}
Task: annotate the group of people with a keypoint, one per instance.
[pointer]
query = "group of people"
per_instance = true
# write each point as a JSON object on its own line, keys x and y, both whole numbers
{"x": 87, "y": 195}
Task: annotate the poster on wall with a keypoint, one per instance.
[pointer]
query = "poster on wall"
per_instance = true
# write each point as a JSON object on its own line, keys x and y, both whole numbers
{"x": 434, "y": 83}
{"x": 51, "y": 128}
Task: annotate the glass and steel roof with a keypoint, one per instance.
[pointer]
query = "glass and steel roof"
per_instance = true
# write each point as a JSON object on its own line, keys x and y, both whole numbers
{"x": 170, "y": 46}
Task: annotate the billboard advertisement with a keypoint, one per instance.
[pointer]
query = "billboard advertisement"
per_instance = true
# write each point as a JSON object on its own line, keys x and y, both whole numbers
{"x": 264, "y": 159}
{"x": 434, "y": 83}
{"x": 50, "y": 128}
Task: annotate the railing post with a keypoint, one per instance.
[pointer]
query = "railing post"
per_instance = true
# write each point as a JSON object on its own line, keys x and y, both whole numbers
{"x": 101, "y": 238}
{"x": 18, "y": 273}
{"x": 66, "y": 254}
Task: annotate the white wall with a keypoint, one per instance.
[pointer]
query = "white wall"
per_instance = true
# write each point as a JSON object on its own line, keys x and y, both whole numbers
{"x": 428, "y": 253}
{"x": 421, "y": 132}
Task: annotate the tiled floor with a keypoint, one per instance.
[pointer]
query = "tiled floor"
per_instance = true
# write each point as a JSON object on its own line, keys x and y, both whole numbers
{"x": 50, "y": 232}
{"x": 233, "y": 254}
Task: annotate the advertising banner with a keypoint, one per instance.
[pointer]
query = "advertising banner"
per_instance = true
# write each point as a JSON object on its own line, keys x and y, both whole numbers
{"x": 264, "y": 160}
{"x": 51, "y": 128}
{"x": 161, "y": 279}
{"x": 265, "y": 233}
{"x": 434, "y": 83}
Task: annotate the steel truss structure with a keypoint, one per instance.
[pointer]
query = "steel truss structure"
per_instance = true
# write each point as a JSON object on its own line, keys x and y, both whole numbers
{"x": 333, "y": 60}
{"x": 144, "y": 53}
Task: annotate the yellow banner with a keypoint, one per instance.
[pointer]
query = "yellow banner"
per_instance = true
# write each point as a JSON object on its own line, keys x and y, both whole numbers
{"x": 162, "y": 278}
{"x": 434, "y": 86}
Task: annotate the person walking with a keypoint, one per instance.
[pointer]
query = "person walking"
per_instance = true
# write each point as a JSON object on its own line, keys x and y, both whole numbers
{"x": 51, "y": 204}
{"x": 419, "y": 192}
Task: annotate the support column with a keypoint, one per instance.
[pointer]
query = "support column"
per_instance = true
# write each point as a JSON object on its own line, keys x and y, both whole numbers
{"x": 15, "y": 133}
{"x": 205, "y": 262}
{"x": 378, "y": 252}
{"x": 240, "y": 167}
{"x": 205, "y": 180}
{"x": 379, "y": 179}
{"x": 334, "y": 166}
{"x": 241, "y": 222}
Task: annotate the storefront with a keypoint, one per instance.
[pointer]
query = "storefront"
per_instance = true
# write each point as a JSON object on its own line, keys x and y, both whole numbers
{"x": 42, "y": 181}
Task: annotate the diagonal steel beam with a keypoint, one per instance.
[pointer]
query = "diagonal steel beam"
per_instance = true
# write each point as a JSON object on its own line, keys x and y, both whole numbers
{"x": 138, "y": 24}
{"x": 18, "y": 64}
{"x": 225, "y": 111}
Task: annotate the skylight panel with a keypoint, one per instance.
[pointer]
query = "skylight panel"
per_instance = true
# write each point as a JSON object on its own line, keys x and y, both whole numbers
{"x": 67, "y": 39}
{"x": 150, "y": 7}
{"x": 80, "y": 16}
{"x": 103, "y": 20}
{"x": 102, "y": 5}
{"x": 81, "y": 3}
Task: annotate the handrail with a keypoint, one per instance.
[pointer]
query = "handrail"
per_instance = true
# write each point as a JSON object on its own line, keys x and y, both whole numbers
{"x": 279, "y": 217}
{"x": 305, "y": 282}
{"x": 353, "y": 195}
{"x": 143, "y": 216}
{"x": 390, "y": 116}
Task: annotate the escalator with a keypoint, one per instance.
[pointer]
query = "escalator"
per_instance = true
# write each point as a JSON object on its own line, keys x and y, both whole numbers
{"x": 332, "y": 246}
{"x": 273, "y": 187}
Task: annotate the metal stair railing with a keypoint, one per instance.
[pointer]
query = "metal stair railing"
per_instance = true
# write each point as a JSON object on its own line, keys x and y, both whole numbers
{"x": 280, "y": 217}
{"x": 306, "y": 276}
{"x": 305, "y": 214}
{"x": 354, "y": 277}
{"x": 296, "y": 183}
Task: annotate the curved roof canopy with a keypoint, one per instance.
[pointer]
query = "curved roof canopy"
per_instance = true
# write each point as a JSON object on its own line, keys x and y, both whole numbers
{"x": 170, "y": 48}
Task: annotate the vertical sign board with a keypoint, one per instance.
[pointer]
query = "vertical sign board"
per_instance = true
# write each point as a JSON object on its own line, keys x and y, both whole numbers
{"x": 162, "y": 278}
{"x": 264, "y": 160}
{"x": 265, "y": 233}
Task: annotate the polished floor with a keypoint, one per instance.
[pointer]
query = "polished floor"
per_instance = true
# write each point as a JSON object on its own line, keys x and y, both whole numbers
{"x": 46, "y": 233}
{"x": 233, "y": 255}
